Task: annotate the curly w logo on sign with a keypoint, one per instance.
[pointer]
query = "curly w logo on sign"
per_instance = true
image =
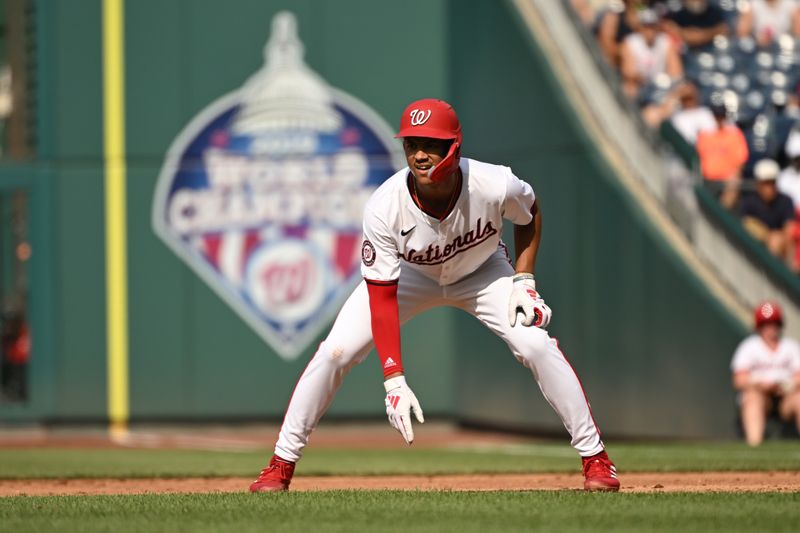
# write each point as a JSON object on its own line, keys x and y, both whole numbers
{"x": 262, "y": 194}
{"x": 285, "y": 284}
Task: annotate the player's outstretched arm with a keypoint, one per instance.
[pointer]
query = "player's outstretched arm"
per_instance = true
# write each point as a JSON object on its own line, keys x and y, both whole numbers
{"x": 526, "y": 242}
{"x": 400, "y": 399}
{"x": 525, "y": 300}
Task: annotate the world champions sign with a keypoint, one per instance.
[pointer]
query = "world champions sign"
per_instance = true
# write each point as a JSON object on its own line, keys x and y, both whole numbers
{"x": 262, "y": 194}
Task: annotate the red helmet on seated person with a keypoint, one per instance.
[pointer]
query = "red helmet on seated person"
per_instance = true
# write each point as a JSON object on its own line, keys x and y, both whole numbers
{"x": 768, "y": 313}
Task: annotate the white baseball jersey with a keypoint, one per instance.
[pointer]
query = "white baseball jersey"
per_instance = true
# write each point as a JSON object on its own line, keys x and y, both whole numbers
{"x": 753, "y": 355}
{"x": 397, "y": 231}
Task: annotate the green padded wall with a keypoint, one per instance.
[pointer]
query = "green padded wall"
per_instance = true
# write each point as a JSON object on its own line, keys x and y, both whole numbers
{"x": 651, "y": 345}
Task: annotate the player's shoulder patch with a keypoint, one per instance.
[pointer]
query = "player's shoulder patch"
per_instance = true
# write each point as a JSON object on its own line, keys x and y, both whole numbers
{"x": 367, "y": 253}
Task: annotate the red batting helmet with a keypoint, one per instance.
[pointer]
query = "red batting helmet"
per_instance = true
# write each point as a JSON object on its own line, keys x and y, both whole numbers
{"x": 768, "y": 312}
{"x": 435, "y": 119}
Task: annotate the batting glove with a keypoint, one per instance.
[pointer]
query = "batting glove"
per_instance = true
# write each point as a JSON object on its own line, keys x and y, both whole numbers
{"x": 400, "y": 400}
{"x": 526, "y": 300}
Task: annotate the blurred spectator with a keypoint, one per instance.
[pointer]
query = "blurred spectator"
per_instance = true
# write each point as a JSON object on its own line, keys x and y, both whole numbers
{"x": 697, "y": 23}
{"x": 789, "y": 184}
{"x": 766, "y": 374}
{"x": 15, "y": 351}
{"x": 766, "y": 20}
{"x": 789, "y": 178}
{"x": 691, "y": 118}
{"x": 617, "y": 23}
{"x": 768, "y": 214}
{"x": 723, "y": 152}
{"x": 587, "y": 10}
{"x": 646, "y": 54}
{"x": 792, "y": 108}
{"x": 6, "y": 104}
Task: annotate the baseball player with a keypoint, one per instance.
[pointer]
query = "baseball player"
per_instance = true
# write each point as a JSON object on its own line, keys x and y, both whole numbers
{"x": 766, "y": 372}
{"x": 432, "y": 238}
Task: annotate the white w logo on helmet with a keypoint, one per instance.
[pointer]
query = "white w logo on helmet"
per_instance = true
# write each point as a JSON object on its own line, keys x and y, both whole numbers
{"x": 418, "y": 117}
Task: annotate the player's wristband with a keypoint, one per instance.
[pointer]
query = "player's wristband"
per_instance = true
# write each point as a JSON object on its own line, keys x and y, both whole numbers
{"x": 395, "y": 383}
{"x": 522, "y": 276}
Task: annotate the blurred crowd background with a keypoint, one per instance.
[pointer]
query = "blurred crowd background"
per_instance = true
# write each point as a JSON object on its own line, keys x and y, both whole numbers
{"x": 725, "y": 74}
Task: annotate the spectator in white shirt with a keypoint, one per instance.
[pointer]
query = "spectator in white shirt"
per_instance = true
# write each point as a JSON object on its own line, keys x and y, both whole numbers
{"x": 692, "y": 118}
{"x": 647, "y": 54}
{"x": 789, "y": 184}
{"x": 766, "y": 20}
{"x": 789, "y": 178}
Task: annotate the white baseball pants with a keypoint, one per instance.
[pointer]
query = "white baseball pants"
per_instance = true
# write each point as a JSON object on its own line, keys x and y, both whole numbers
{"x": 484, "y": 294}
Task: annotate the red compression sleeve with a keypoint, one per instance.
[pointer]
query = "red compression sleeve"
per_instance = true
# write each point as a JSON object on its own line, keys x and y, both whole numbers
{"x": 385, "y": 324}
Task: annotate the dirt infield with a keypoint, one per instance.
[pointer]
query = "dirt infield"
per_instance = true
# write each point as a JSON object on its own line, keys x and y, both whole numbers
{"x": 365, "y": 436}
{"x": 633, "y": 483}
{"x": 244, "y": 438}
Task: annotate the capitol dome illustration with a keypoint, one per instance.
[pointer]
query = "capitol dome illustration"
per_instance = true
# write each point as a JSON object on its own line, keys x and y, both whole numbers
{"x": 286, "y": 94}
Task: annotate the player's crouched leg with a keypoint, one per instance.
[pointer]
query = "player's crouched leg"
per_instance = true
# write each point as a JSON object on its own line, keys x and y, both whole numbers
{"x": 562, "y": 389}
{"x": 338, "y": 356}
{"x": 312, "y": 395}
{"x": 528, "y": 344}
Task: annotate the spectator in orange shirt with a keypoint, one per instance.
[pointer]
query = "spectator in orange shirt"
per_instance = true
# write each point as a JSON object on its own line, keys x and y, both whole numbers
{"x": 723, "y": 152}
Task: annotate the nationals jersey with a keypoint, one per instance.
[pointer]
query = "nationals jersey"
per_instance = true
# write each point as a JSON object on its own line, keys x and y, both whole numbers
{"x": 397, "y": 231}
{"x": 754, "y": 356}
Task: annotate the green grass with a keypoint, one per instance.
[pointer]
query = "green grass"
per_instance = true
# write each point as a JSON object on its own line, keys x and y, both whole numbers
{"x": 541, "y": 457}
{"x": 389, "y": 511}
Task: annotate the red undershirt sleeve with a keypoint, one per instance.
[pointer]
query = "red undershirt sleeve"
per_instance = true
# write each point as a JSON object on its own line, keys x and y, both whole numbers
{"x": 385, "y": 318}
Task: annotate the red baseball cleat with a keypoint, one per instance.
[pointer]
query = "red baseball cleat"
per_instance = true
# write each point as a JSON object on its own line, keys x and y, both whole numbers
{"x": 600, "y": 473}
{"x": 275, "y": 477}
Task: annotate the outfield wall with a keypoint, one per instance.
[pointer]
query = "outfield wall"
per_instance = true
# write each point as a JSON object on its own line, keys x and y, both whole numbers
{"x": 651, "y": 345}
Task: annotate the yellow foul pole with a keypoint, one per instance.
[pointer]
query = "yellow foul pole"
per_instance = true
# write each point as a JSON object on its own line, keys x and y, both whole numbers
{"x": 115, "y": 216}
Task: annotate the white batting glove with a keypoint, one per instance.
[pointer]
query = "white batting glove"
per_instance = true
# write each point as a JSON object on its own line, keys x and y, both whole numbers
{"x": 400, "y": 400}
{"x": 526, "y": 300}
